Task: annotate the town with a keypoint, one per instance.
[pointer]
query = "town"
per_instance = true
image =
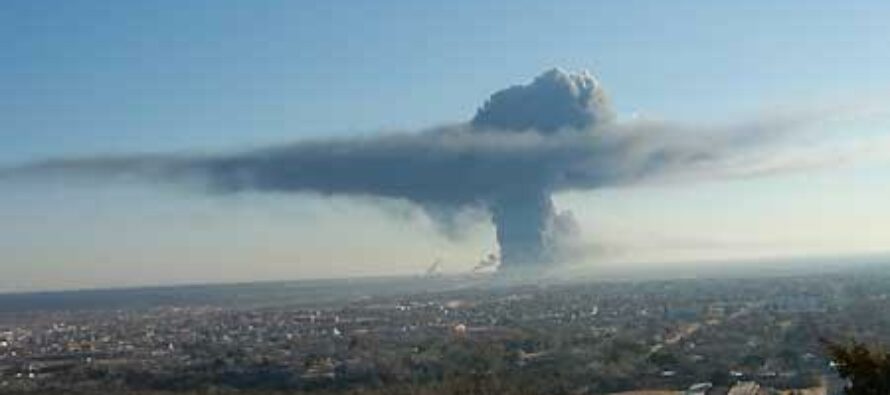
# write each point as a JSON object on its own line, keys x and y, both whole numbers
{"x": 707, "y": 336}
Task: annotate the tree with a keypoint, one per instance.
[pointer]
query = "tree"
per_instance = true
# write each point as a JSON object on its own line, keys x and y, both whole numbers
{"x": 867, "y": 370}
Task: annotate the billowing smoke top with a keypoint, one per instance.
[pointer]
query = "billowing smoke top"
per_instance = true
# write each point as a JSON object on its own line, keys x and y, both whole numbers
{"x": 555, "y": 100}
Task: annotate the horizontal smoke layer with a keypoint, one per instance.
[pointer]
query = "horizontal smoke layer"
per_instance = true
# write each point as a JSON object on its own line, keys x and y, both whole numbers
{"x": 524, "y": 144}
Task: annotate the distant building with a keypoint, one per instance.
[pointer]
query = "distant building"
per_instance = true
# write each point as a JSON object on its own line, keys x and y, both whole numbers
{"x": 716, "y": 311}
{"x": 459, "y": 330}
{"x": 746, "y": 388}
{"x": 698, "y": 389}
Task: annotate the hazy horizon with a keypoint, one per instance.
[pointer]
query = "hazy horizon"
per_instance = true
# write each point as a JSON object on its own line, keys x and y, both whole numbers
{"x": 796, "y": 143}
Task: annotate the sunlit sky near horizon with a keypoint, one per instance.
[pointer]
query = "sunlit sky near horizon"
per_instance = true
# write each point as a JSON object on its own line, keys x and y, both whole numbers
{"x": 83, "y": 78}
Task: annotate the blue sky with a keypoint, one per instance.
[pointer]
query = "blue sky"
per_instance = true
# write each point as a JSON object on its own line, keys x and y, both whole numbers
{"x": 90, "y": 77}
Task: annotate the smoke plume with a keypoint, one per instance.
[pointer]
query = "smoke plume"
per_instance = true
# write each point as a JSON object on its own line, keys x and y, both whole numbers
{"x": 524, "y": 144}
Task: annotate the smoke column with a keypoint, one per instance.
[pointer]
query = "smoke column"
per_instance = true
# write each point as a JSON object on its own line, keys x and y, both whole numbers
{"x": 521, "y": 224}
{"x": 554, "y": 102}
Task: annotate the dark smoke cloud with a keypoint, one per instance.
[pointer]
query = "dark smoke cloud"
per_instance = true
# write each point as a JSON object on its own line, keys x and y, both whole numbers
{"x": 524, "y": 144}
